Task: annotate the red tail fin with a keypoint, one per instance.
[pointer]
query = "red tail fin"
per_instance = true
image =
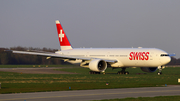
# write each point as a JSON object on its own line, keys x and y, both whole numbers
{"x": 63, "y": 40}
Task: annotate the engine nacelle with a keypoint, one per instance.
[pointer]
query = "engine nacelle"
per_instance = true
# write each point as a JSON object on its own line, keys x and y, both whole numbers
{"x": 97, "y": 65}
{"x": 149, "y": 69}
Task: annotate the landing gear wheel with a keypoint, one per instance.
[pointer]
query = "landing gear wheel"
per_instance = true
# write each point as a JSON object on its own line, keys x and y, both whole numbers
{"x": 126, "y": 73}
{"x": 120, "y": 72}
{"x": 123, "y": 71}
{"x": 93, "y": 72}
{"x": 159, "y": 73}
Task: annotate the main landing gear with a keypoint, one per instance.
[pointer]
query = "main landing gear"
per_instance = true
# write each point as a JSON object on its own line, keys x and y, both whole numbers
{"x": 119, "y": 72}
{"x": 123, "y": 71}
{"x": 93, "y": 72}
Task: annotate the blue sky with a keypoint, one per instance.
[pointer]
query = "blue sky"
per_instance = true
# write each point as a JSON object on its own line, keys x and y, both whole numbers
{"x": 92, "y": 23}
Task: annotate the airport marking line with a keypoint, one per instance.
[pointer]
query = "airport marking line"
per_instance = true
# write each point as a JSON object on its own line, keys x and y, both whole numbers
{"x": 87, "y": 95}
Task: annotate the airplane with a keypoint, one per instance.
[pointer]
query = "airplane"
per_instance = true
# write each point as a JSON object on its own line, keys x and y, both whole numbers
{"x": 98, "y": 59}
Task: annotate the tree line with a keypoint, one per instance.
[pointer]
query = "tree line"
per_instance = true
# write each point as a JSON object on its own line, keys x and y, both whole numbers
{"x": 8, "y": 58}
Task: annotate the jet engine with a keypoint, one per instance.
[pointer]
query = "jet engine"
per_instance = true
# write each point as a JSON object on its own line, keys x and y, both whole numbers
{"x": 149, "y": 69}
{"x": 97, "y": 65}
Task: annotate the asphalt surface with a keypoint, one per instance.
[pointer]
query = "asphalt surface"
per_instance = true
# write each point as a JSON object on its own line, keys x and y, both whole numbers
{"x": 86, "y": 95}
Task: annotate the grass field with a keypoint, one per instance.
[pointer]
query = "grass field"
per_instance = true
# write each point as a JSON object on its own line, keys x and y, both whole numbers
{"x": 33, "y": 66}
{"x": 17, "y": 82}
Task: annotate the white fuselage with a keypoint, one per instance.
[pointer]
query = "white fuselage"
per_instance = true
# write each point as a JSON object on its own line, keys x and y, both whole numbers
{"x": 126, "y": 57}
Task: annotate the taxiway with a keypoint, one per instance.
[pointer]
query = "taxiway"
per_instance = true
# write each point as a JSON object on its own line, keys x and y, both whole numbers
{"x": 86, "y": 95}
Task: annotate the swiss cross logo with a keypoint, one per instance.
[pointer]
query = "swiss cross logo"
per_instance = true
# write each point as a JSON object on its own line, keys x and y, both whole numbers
{"x": 61, "y": 35}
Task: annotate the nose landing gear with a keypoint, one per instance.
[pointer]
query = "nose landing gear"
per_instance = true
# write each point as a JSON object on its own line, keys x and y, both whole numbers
{"x": 160, "y": 69}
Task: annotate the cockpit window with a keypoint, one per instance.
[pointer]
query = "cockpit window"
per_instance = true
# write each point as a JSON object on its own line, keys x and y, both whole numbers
{"x": 164, "y": 54}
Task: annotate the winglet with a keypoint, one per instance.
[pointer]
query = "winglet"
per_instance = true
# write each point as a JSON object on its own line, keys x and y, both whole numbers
{"x": 63, "y": 40}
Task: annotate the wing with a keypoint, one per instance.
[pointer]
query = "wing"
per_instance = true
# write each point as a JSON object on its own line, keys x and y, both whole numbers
{"x": 48, "y": 54}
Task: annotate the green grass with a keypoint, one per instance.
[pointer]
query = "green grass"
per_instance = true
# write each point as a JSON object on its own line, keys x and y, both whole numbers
{"x": 158, "y": 98}
{"x": 17, "y": 82}
{"x": 33, "y": 66}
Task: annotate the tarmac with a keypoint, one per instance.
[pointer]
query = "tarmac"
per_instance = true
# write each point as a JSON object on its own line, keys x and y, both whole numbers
{"x": 87, "y": 95}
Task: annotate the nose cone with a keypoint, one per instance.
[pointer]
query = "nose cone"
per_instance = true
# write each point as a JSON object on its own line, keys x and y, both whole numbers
{"x": 166, "y": 60}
